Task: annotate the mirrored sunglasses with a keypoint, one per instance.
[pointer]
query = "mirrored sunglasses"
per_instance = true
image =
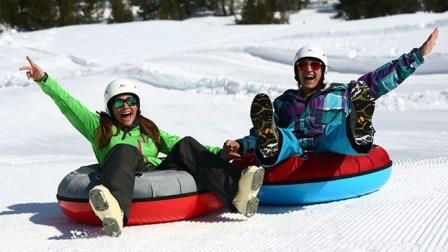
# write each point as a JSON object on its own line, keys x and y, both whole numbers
{"x": 303, "y": 65}
{"x": 119, "y": 103}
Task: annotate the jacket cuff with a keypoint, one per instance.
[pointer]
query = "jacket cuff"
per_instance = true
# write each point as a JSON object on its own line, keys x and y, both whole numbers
{"x": 241, "y": 150}
{"x": 43, "y": 80}
{"x": 418, "y": 55}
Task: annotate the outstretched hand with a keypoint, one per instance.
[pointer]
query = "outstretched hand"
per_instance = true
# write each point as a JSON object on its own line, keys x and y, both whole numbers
{"x": 230, "y": 150}
{"x": 430, "y": 42}
{"x": 33, "y": 71}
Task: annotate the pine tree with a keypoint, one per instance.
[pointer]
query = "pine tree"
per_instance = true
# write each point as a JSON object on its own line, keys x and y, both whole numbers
{"x": 231, "y": 7}
{"x": 120, "y": 12}
{"x": 223, "y": 7}
{"x": 436, "y": 5}
{"x": 256, "y": 12}
{"x": 148, "y": 8}
{"x": 283, "y": 7}
{"x": 191, "y": 8}
{"x": 357, "y": 9}
{"x": 387, "y": 7}
{"x": 67, "y": 12}
{"x": 39, "y": 15}
{"x": 351, "y": 9}
{"x": 265, "y": 13}
{"x": 92, "y": 11}
{"x": 9, "y": 13}
{"x": 248, "y": 13}
{"x": 171, "y": 9}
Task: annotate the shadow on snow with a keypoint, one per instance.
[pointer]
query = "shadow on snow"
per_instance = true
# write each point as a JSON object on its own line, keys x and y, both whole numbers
{"x": 49, "y": 214}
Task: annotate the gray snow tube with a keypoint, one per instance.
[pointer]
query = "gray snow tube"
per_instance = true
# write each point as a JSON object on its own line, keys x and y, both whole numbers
{"x": 148, "y": 184}
{"x": 159, "y": 196}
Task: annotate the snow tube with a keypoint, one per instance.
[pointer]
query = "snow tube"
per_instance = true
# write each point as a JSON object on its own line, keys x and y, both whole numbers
{"x": 322, "y": 177}
{"x": 159, "y": 196}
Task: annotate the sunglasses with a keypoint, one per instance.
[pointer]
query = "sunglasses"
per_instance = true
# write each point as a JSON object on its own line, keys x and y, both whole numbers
{"x": 303, "y": 65}
{"x": 119, "y": 103}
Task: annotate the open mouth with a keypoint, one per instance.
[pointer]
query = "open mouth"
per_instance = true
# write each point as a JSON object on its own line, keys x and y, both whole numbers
{"x": 126, "y": 115}
{"x": 309, "y": 77}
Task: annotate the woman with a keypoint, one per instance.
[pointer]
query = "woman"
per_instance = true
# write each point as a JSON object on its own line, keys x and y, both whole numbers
{"x": 124, "y": 142}
{"x": 320, "y": 116}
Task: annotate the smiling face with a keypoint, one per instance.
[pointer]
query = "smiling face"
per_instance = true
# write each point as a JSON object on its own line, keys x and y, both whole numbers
{"x": 124, "y": 109}
{"x": 310, "y": 74}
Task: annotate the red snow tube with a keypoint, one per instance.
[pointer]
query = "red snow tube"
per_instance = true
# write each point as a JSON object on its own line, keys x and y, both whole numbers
{"x": 322, "y": 177}
{"x": 159, "y": 196}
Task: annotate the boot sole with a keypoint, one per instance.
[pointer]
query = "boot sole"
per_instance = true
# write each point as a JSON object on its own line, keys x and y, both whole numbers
{"x": 252, "y": 207}
{"x": 363, "y": 106}
{"x": 99, "y": 203}
{"x": 257, "y": 180}
{"x": 111, "y": 227}
{"x": 261, "y": 113}
{"x": 98, "y": 200}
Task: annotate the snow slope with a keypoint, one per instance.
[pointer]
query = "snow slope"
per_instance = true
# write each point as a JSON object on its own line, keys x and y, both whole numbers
{"x": 198, "y": 77}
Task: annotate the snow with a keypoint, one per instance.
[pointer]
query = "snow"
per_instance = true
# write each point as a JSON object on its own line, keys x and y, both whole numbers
{"x": 198, "y": 77}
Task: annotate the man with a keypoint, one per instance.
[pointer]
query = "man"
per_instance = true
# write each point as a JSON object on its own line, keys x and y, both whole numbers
{"x": 320, "y": 116}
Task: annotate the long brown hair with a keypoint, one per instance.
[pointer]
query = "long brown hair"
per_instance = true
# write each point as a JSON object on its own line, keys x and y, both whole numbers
{"x": 104, "y": 131}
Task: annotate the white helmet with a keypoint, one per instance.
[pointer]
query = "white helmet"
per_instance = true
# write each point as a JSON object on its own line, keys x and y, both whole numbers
{"x": 311, "y": 52}
{"x": 117, "y": 87}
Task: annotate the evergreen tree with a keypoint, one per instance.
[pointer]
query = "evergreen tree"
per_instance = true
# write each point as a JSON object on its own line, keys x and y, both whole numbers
{"x": 284, "y": 7}
{"x": 38, "y": 14}
{"x": 357, "y": 9}
{"x": 222, "y": 7}
{"x": 222, "y": 4}
{"x": 67, "y": 12}
{"x": 181, "y": 9}
{"x": 436, "y": 5}
{"x": 256, "y": 12}
{"x": 92, "y": 11}
{"x": 264, "y": 11}
{"x": 191, "y": 8}
{"x": 120, "y": 12}
{"x": 248, "y": 13}
{"x": 9, "y": 13}
{"x": 171, "y": 9}
{"x": 399, "y": 7}
{"x": 148, "y": 8}
{"x": 351, "y": 9}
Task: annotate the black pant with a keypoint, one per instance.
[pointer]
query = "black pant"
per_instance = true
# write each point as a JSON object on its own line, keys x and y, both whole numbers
{"x": 216, "y": 174}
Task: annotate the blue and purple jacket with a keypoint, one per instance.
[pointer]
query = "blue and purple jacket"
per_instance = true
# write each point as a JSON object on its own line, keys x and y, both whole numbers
{"x": 308, "y": 117}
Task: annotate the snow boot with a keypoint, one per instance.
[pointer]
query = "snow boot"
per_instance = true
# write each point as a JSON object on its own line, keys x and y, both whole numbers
{"x": 107, "y": 209}
{"x": 262, "y": 116}
{"x": 246, "y": 201}
{"x": 362, "y": 108}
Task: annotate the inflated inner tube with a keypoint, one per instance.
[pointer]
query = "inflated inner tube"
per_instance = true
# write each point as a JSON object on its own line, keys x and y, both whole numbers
{"x": 323, "y": 177}
{"x": 159, "y": 196}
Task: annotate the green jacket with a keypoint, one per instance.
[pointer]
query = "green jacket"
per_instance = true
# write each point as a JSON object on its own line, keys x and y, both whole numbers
{"x": 87, "y": 122}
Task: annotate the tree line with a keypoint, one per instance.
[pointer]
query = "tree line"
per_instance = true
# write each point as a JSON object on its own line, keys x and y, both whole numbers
{"x": 359, "y": 9}
{"x": 34, "y": 15}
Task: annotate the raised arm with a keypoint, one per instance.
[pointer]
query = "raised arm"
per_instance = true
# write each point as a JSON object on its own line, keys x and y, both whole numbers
{"x": 388, "y": 76}
{"x": 428, "y": 45}
{"x": 85, "y": 121}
